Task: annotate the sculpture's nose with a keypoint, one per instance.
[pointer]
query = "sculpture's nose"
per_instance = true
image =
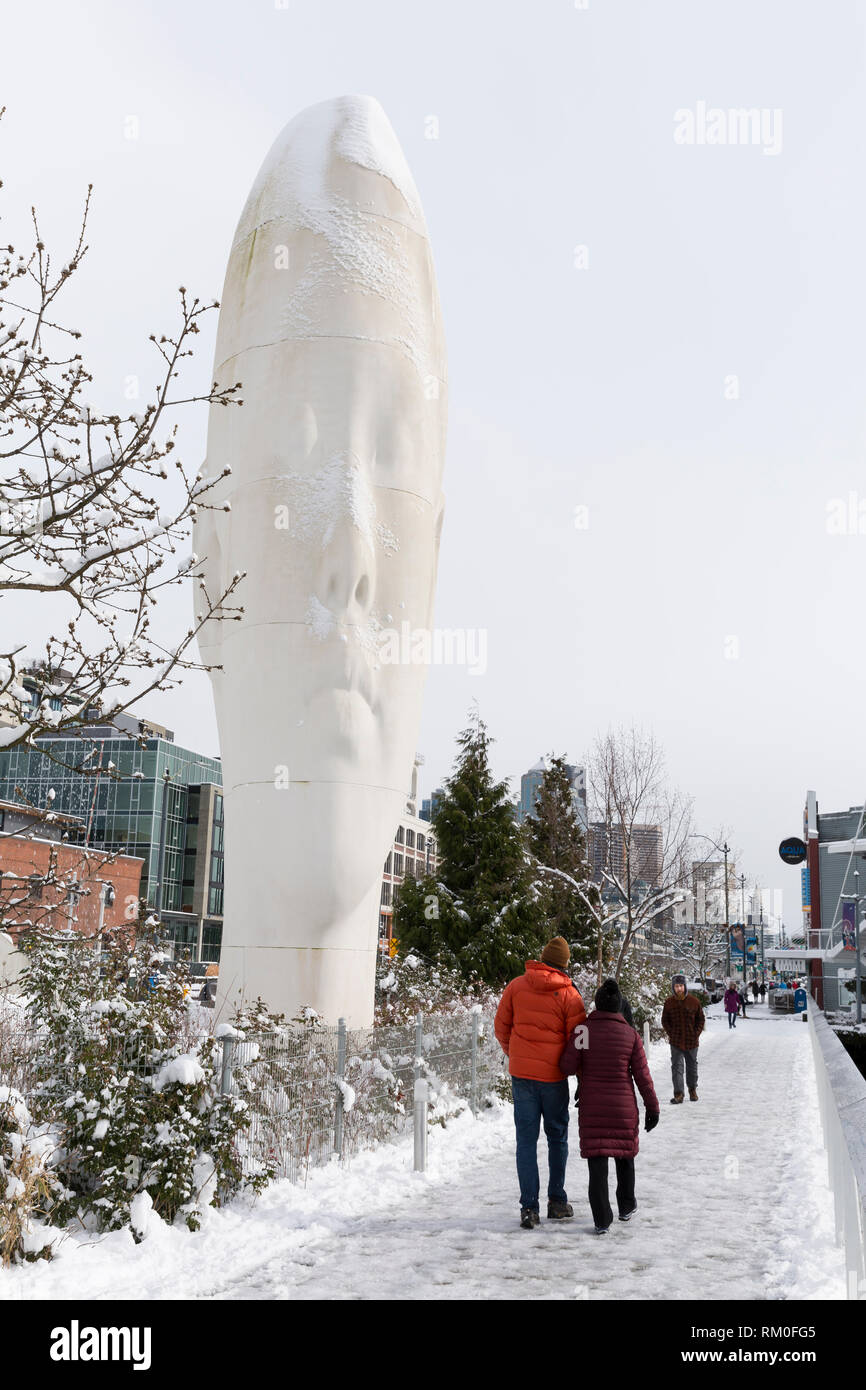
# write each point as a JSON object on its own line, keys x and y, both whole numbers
{"x": 347, "y": 577}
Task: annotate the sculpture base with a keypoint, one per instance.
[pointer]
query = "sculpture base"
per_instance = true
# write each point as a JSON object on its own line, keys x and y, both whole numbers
{"x": 337, "y": 983}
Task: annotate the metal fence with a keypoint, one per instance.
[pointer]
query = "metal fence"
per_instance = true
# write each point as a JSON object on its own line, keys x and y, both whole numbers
{"x": 312, "y": 1094}
{"x": 315, "y": 1094}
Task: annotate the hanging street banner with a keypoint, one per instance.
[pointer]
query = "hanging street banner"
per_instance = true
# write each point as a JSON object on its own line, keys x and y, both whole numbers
{"x": 848, "y": 929}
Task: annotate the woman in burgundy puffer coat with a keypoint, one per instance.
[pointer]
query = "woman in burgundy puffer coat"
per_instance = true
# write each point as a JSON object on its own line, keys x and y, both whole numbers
{"x": 607, "y": 1056}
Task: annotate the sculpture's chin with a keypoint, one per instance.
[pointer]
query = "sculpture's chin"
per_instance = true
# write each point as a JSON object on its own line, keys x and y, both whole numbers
{"x": 312, "y": 853}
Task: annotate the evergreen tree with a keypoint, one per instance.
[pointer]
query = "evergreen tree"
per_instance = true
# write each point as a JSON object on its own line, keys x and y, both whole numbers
{"x": 557, "y": 842}
{"x": 481, "y": 914}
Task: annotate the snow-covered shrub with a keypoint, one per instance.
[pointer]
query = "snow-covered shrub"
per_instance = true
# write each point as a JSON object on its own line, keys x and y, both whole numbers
{"x": 130, "y": 1086}
{"x": 646, "y": 988}
{"x": 28, "y": 1186}
{"x": 409, "y": 985}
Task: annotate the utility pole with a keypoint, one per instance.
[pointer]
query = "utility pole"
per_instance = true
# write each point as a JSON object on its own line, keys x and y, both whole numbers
{"x": 762, "y": 941}
{"x": 724, "y": 849}
{"x": 727, "y": 915}
{"x": 743, "y": 918}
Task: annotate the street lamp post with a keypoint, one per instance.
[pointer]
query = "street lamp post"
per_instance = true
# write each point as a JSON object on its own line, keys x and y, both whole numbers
{"x": 762, "y": 942}
{"x": 743, "y": 919}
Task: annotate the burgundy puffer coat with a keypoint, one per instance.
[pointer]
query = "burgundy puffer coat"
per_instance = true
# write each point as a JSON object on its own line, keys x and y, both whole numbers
{"x": 610, "y": 1060}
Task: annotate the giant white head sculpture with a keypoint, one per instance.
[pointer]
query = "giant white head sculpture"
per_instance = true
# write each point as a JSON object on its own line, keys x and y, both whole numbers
{"x": 330, "y": 319}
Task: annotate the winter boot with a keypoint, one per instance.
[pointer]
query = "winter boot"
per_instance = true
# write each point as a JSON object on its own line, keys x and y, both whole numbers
{"x": 629, "y": 1214}
{"x": 602, "y": 1230}
{"x": 693, "y": 1093}
{"x": 559, "y": 1211}
{"x": 677, "y": 1098}
{"x": 528, "y": 1218}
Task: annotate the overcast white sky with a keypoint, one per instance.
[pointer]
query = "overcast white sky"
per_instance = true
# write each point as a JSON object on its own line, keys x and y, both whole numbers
{"x": 602, "y": 387}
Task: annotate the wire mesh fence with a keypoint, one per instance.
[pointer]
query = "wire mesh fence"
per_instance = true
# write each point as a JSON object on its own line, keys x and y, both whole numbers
{"x": 312, "y": 1094}
{"x": 319, "y": 1093}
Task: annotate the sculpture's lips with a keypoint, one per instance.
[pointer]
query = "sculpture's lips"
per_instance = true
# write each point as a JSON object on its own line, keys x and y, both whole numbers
{"x": 345, "y": 672}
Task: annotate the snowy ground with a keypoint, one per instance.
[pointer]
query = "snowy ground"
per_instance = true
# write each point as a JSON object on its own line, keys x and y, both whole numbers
{"x": 732, "y": 1194}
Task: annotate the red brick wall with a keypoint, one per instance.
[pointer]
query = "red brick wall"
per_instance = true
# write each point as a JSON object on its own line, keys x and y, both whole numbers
{"x": 22, "y": 857}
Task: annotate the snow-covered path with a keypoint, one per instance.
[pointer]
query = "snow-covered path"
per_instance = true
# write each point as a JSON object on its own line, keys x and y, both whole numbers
{"x": 732, "y": 1194}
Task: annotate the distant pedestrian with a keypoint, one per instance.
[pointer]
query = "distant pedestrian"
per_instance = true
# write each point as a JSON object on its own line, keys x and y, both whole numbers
{"x": 741, "y": 992}
{"x": 537, "y": 1015}
{"x": 762, "y": 991}
{"x": 732, "y": 1005}
{"x": 683, "y": 1021}
{"x": 609, "y": 1060}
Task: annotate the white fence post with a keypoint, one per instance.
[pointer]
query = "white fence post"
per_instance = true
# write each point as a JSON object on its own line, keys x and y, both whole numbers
{"x": 226, "y": 1073}
{"x": 341, "y": 1072}
{"x": 420, "y": 1097}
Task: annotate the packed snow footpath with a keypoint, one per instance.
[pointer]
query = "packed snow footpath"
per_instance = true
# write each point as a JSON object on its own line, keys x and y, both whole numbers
{"x": 732, "y": 1192}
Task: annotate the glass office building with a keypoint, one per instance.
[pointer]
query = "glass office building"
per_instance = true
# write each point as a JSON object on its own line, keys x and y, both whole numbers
{"x": 157, "y": 801}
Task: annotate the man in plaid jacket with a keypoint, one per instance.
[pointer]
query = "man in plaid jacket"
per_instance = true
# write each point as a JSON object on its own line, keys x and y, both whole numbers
{"x": 683, "y": 1021}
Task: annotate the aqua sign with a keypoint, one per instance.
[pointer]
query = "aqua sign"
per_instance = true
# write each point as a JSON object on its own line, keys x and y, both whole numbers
{"x": 792, "y": 850}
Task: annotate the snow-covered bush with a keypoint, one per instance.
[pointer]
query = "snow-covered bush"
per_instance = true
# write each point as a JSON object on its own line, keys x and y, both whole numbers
{"x": 28, "y": 1185}
{"x": 130, "y": 1085}
{"x": 646, "y": 988}
{"x": 408, "y": 985}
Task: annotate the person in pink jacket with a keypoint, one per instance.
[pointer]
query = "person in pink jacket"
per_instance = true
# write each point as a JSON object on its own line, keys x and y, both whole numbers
{"x": 607, "y": 1056}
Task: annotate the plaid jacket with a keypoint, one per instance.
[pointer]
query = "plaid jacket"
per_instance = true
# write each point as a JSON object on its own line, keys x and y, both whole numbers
{"x": 683, "y": 1021}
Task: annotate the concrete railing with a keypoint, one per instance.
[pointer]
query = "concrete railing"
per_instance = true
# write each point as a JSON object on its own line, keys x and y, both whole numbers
{"x": 842, "y": 1102}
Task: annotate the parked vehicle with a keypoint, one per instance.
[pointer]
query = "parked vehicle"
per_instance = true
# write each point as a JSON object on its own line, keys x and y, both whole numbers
{"x": 714, "y": 988}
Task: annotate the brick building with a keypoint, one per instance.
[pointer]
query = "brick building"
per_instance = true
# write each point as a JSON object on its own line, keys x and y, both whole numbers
{"x": 48, "y": 879}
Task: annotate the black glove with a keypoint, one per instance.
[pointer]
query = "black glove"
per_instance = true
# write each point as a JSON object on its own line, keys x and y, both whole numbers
{"x": 651, "y": 1120}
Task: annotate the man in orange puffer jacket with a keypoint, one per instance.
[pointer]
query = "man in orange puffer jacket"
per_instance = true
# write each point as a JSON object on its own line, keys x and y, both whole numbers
{"x": 537, "y": 1016}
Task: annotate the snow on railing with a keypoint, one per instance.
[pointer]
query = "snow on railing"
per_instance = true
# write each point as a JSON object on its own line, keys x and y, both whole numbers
{"x": 842, "y": 1103}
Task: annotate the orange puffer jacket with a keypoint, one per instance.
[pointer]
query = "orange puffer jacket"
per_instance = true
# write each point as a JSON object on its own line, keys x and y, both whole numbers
{"x": 537, "y": 1015}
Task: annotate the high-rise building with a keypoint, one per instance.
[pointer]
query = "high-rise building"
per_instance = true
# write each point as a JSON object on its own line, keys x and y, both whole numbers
{"x": 139, "y": 794}
{"x": 607, "y": 848}
{"x": 530, "y": 784}
{"x": 429, "y": 804}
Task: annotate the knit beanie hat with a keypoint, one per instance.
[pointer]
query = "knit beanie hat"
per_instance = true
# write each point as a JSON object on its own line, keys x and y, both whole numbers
{"x": 556, "y": 953}
{"x": 608, "y": 998}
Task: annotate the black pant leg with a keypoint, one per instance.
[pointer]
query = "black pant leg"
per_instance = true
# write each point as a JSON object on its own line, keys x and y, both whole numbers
{"x": 624, "y": 1185}
{"x": 599, "y": 1200}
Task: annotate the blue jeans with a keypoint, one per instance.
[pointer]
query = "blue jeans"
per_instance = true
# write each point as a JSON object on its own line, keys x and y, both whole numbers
{"x": 535, "y": 1101}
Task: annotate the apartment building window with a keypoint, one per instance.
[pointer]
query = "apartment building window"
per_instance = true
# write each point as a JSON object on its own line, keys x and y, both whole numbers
{"x": 398, "y": 865}
{"x": 388, "y": 864}
{"x": 410, "y": 839}
{"x": 398, "y": 838}
{"x": 386, "y": 895}
{"x": 421, "y": 841}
